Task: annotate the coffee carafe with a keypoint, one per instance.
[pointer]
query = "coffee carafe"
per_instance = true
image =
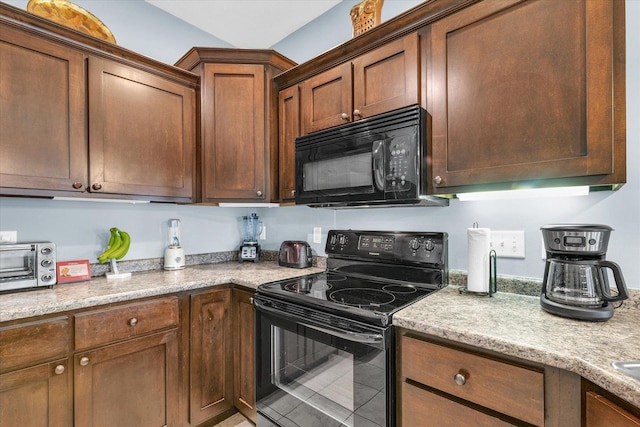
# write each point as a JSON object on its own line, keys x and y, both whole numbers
{"x": 575, "y": 283}
{"x": 251, "y": 229}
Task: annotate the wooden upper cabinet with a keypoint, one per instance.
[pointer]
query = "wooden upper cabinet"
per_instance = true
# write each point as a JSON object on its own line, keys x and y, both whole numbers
{"x": 384, "y": 79}
{"x": 288, "y": 131}
{"x": 141, "y": 132}
{"x": 43, "y": 126}
{"x": 238, "y": 149}
{"x": 387, "y": 78}
{"x": 528, "y": 90}
{"x": 77, "y": 120}
{"x": 233, "y": 126}
{"x": 326, "y": 99}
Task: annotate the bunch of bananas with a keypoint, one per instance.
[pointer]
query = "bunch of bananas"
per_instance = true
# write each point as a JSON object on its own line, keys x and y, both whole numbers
{"x": 118, "y": 246}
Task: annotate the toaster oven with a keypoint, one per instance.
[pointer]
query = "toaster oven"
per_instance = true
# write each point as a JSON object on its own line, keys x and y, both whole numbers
{"x": 27, "y": 265}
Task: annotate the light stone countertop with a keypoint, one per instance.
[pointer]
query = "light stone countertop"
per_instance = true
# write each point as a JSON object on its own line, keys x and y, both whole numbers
{"x": 517, "y": 326}
{"x": 99, "y": 290}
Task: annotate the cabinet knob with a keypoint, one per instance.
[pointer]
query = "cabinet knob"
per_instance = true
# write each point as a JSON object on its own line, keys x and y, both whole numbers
{"x": 59, "y": 370}
{"x": 84, "y": 361}
{"x": 259, "y": 193}
{"x": 293, "y": 193}
{"x": 96, "y": 187}
{"x": 437, "y": 180}
{"x": 357, "y": 113}
{"x": 344, "y": 116}
{"x": 461, "y": 377}
{"x": 133, "y": 321}
{"x": 77, "y": 185}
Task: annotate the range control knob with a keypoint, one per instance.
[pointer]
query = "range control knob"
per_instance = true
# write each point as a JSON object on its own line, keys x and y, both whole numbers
{"x": 414, "y": 244}
{"x": 333, "y": 239}
{"x": 342, "y": 239}
{"x": 429, "y": 245}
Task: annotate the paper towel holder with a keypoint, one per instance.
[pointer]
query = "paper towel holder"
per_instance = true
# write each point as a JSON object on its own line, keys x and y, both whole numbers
{"x": 493, "y": 279}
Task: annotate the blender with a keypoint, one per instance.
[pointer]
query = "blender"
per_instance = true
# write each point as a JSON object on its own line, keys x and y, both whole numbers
{"x": 251, "y": 229}
{"x": 174, "y": 254}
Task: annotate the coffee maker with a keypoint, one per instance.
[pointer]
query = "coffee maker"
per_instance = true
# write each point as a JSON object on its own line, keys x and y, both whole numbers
{"x": 251, "y": 229}
{"x": 575, "y": 283}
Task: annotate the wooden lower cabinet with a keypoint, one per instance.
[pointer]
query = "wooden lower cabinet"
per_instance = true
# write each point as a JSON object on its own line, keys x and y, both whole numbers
{"x": 443, "y": 383}
{"x": 210, "y": 355}
{"x": 134, "y": 383}
{"x": 37, "y": 396}
{"x": 601, "y": 412}
{"x": 244, "y": 397}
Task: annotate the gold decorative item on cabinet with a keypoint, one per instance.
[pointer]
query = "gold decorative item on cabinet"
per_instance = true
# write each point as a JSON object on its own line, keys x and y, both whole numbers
{"x": 365, "y": 15}
{"x": 71, "y": 15}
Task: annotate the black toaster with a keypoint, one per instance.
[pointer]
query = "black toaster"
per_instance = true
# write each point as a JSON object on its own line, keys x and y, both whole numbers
{"x": 295, "y": 253}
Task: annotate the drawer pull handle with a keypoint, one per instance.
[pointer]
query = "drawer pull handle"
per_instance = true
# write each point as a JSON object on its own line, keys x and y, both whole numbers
{"x": 84, "y": 361}
{"x": 133, "y": 322}
{"x": 461, "y": 377}
{"x": 59, "y": 370}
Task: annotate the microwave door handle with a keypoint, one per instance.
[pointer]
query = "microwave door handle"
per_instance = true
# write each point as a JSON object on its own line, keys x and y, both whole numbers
{"x": 377, "y": 155}
{"x": 347, "y": 335}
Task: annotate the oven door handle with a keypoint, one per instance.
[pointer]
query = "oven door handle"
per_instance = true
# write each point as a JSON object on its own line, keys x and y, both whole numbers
{"x": 360, "y": 337}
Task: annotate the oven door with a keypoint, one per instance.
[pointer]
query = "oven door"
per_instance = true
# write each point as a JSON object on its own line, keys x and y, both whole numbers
{"x": 313, "y": 373}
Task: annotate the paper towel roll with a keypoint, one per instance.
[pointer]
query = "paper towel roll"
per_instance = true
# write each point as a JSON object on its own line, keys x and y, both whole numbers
{"x": 478, "y": 247}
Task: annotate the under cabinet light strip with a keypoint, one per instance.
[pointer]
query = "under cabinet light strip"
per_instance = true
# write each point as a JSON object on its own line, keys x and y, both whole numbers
{"x": 525, "y": 193}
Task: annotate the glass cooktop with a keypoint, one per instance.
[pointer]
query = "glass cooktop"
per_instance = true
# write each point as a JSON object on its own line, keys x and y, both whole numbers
{"x": 359, "y": 297}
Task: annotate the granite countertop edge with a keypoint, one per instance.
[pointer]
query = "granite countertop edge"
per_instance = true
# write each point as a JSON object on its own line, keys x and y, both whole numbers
{"x": 515, "y": 325}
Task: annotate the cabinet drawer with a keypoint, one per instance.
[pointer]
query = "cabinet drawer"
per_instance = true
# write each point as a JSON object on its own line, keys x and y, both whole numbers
{"x": 29, "y": 343}
{"x": 601, "y": 412}
{"x": 99, "y": 327}
{"x": 501, "y": 386}
{"x": 422, "y": 408}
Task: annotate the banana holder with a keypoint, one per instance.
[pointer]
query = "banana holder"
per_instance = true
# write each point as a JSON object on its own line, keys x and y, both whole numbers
{"x": 114, "y": 273}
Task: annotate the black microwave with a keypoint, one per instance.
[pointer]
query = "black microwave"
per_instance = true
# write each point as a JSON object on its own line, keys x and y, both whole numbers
{"x": 378, "y": 161}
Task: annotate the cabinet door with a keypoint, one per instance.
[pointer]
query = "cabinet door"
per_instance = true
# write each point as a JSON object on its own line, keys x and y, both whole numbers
{"x": 211, "y": 367}
{"x": 288, "y": 131}
{"x": 523, "y": 91}
{"x": 141, "y": 133}
{"x": 37, "y": 396}
{"x": 386, "y": 78}
{"x": 233, "y": 133}
{"x": 244, "y": 354}
{"x": 601, "y": 412}
{"x": 42, "y": 130}
{"x": 134, "y": 383}
{"x": 325, "y": 99}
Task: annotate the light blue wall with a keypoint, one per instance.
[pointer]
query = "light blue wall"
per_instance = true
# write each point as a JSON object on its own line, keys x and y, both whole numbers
{"x": 80, "y": 228}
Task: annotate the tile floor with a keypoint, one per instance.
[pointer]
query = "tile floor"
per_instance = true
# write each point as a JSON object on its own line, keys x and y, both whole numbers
{"x": 236, "y": 420}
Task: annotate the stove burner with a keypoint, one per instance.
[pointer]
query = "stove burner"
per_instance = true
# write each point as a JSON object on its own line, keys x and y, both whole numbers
{"x": 362, "y": 297}
{"x": 336, "y": 278}
{"x": 400, "y": 289}
{"x": 305, "y": 286}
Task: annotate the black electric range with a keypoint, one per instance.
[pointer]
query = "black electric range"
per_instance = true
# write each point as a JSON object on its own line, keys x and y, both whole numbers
{"x": 370, "y": 275}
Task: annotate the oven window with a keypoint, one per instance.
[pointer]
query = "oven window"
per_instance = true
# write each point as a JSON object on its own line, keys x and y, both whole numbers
{"x": 318, "y": 379}
{"x": 340, "y": 172}
{"x": 17, "y": 264}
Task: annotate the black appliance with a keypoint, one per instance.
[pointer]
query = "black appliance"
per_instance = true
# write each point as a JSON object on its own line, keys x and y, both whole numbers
{"x": 575, "y": 283}
{"x": 325, "y": 347}
{"x": 377, "y": 161}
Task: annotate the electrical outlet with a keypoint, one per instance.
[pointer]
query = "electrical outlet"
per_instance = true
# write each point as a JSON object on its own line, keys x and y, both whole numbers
{"x": 508, "y": 244}
{"x": 8, "y": 236}
{"x": 263, "y": 233}
{"x": 317, "y": 234}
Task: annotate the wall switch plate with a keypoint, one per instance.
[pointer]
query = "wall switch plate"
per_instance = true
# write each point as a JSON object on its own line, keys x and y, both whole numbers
{"x": 263, "y": 233}
{"x": 508, "y": 244}
{"x": 317, "y": 234}
{"x": 8, "y": 236}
